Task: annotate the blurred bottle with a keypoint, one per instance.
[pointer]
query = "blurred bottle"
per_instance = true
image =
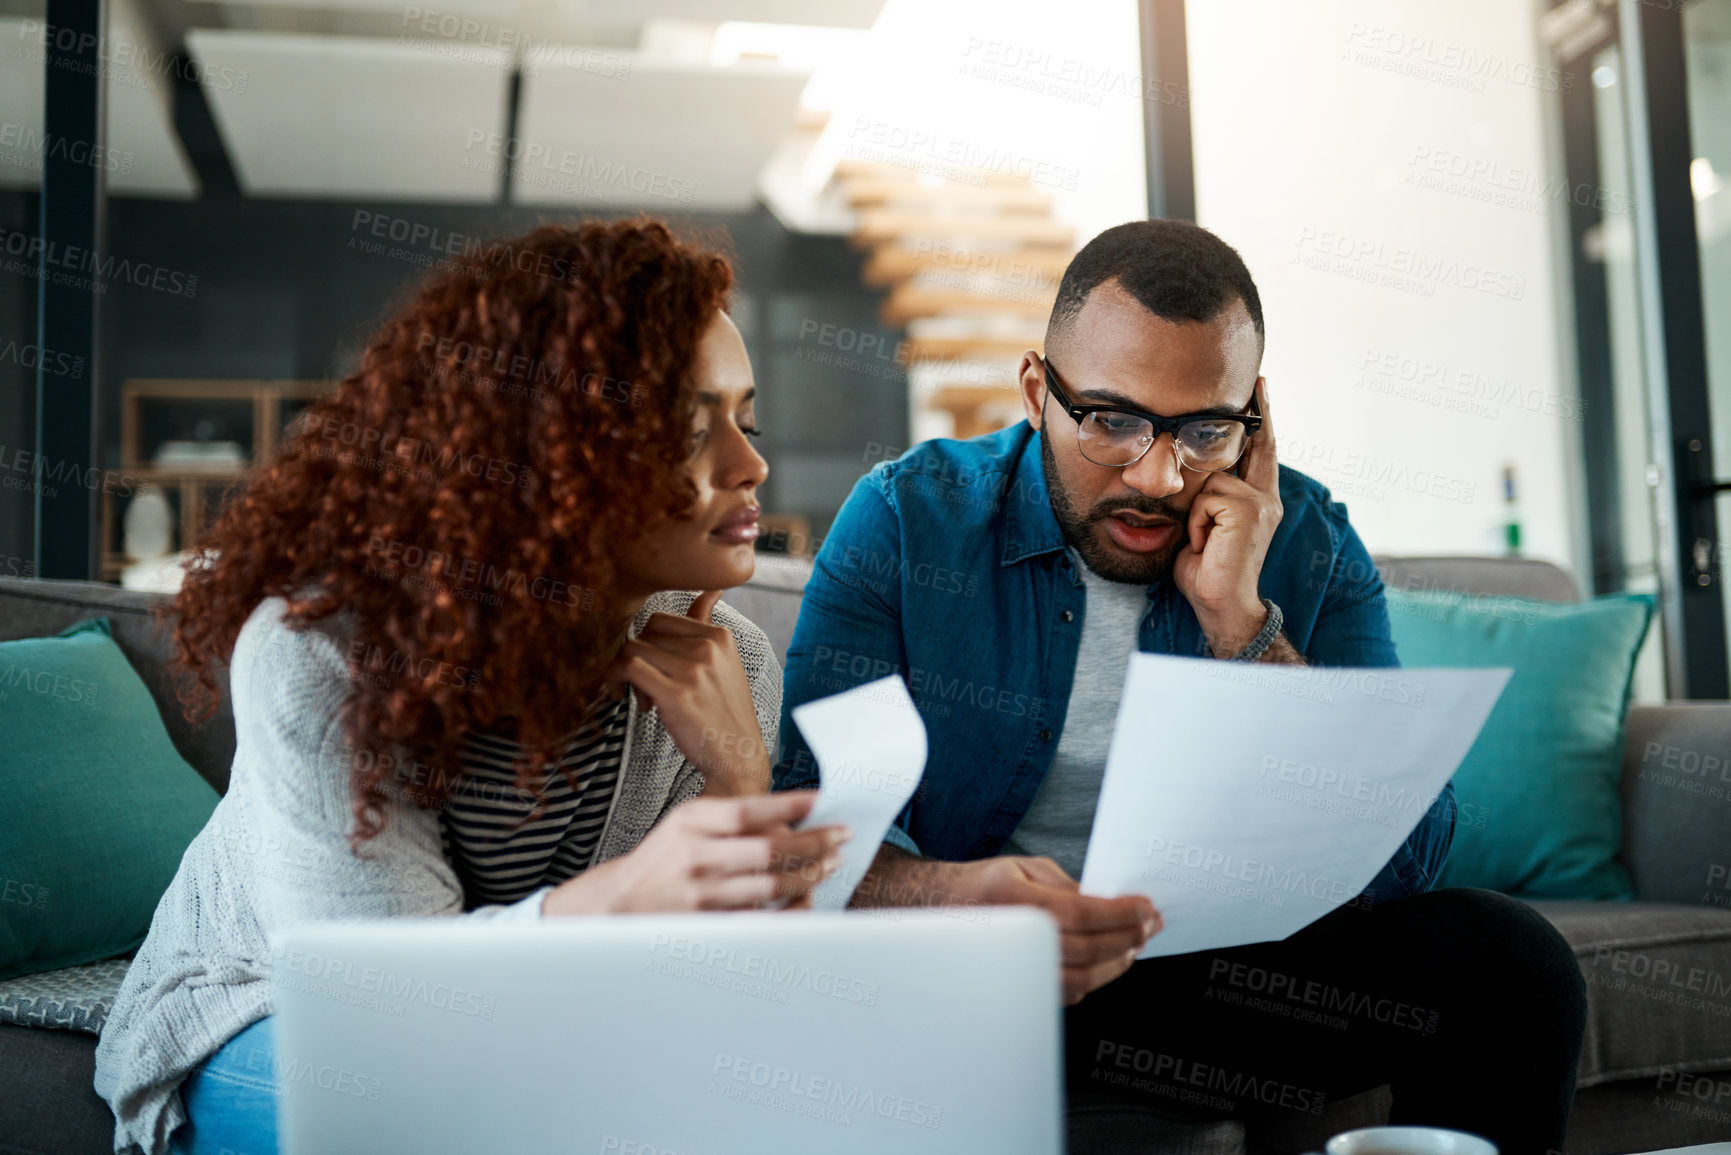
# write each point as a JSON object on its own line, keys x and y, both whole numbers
{"x": 1511, "y": 514}
{"x": 148, "y": 524}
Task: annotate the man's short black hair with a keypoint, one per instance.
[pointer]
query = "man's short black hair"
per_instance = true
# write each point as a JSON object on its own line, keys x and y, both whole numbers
{"x": 1177, "y": 270}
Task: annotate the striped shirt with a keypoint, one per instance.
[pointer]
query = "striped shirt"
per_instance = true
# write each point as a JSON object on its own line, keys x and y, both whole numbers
{"x": 506, "y": 843}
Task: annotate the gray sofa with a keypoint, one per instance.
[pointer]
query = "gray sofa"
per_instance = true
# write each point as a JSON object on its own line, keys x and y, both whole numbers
{"x": 1655, "y": 1070}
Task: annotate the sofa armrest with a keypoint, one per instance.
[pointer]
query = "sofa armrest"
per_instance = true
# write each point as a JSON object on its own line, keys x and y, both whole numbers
{"x": 1677, "y": 802}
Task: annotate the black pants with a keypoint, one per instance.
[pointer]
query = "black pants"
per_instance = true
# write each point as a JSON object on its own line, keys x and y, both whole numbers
{"x": 1466, "y": 1002}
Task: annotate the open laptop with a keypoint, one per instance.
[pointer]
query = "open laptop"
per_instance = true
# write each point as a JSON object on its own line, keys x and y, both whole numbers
{"x": 672, "y": 1035}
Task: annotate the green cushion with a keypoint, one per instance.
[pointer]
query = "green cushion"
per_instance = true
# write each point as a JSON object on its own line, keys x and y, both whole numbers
{"x": 1539, "y": 814}
{"x": 98, "y": 805}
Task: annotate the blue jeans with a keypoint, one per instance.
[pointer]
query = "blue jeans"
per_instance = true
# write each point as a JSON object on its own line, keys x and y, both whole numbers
{"x": 231, "y": 1099}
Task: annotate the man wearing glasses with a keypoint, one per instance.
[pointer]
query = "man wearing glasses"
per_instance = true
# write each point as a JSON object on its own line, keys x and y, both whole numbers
{"x": 1141, "y": 507}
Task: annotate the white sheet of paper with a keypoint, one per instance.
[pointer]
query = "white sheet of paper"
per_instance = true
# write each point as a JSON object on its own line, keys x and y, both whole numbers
{"x": 870, "y": 747}
{"x": 1247, "y": 800}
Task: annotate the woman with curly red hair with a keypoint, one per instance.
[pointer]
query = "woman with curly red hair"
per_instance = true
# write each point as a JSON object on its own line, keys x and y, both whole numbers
{"x": 464, "y": 680}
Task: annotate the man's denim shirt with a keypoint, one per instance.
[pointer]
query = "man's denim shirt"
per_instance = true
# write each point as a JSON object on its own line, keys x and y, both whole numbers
{"x": 948, "y": 567}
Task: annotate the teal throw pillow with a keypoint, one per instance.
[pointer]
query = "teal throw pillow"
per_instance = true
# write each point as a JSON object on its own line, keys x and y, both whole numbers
{"x": 98, "y": 804}
{"x": 1540, "y": 815}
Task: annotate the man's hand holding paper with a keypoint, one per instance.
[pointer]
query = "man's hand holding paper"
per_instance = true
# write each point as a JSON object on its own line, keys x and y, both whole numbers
{"x": 1247, "y": 801}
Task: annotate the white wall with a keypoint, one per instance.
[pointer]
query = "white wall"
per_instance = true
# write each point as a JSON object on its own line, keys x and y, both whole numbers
{"x": 1413, "y": 343}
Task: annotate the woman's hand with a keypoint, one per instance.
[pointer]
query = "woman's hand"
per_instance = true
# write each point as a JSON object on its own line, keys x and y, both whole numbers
{"x": 711, "y": 854}
{"x": 689, "y": 669}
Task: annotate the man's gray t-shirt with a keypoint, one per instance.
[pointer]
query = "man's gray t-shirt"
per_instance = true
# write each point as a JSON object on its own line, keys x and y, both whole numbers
{"x": 1059, "y": 821}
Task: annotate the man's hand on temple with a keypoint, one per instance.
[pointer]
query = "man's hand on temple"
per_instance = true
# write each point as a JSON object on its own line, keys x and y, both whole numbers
{"x": 1232, "y": 522}
{"x": 1099, "y": 937}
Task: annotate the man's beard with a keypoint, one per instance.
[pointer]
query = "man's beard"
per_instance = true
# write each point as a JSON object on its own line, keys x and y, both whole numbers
{"x": 1132, "y": 569}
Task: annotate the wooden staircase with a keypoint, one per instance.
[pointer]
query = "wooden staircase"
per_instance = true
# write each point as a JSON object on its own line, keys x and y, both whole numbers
{"x": 972, "y": 264}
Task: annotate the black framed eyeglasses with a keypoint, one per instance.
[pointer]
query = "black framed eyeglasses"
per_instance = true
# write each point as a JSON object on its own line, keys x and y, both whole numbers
{"x": 1116, "y": 436}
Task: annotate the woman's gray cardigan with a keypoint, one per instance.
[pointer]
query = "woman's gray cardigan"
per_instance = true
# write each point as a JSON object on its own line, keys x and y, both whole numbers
{"x": 276, "y": 851}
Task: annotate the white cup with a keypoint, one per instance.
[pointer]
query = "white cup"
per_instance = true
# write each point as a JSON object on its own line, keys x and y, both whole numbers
{"x": 1409, "y": 1141}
